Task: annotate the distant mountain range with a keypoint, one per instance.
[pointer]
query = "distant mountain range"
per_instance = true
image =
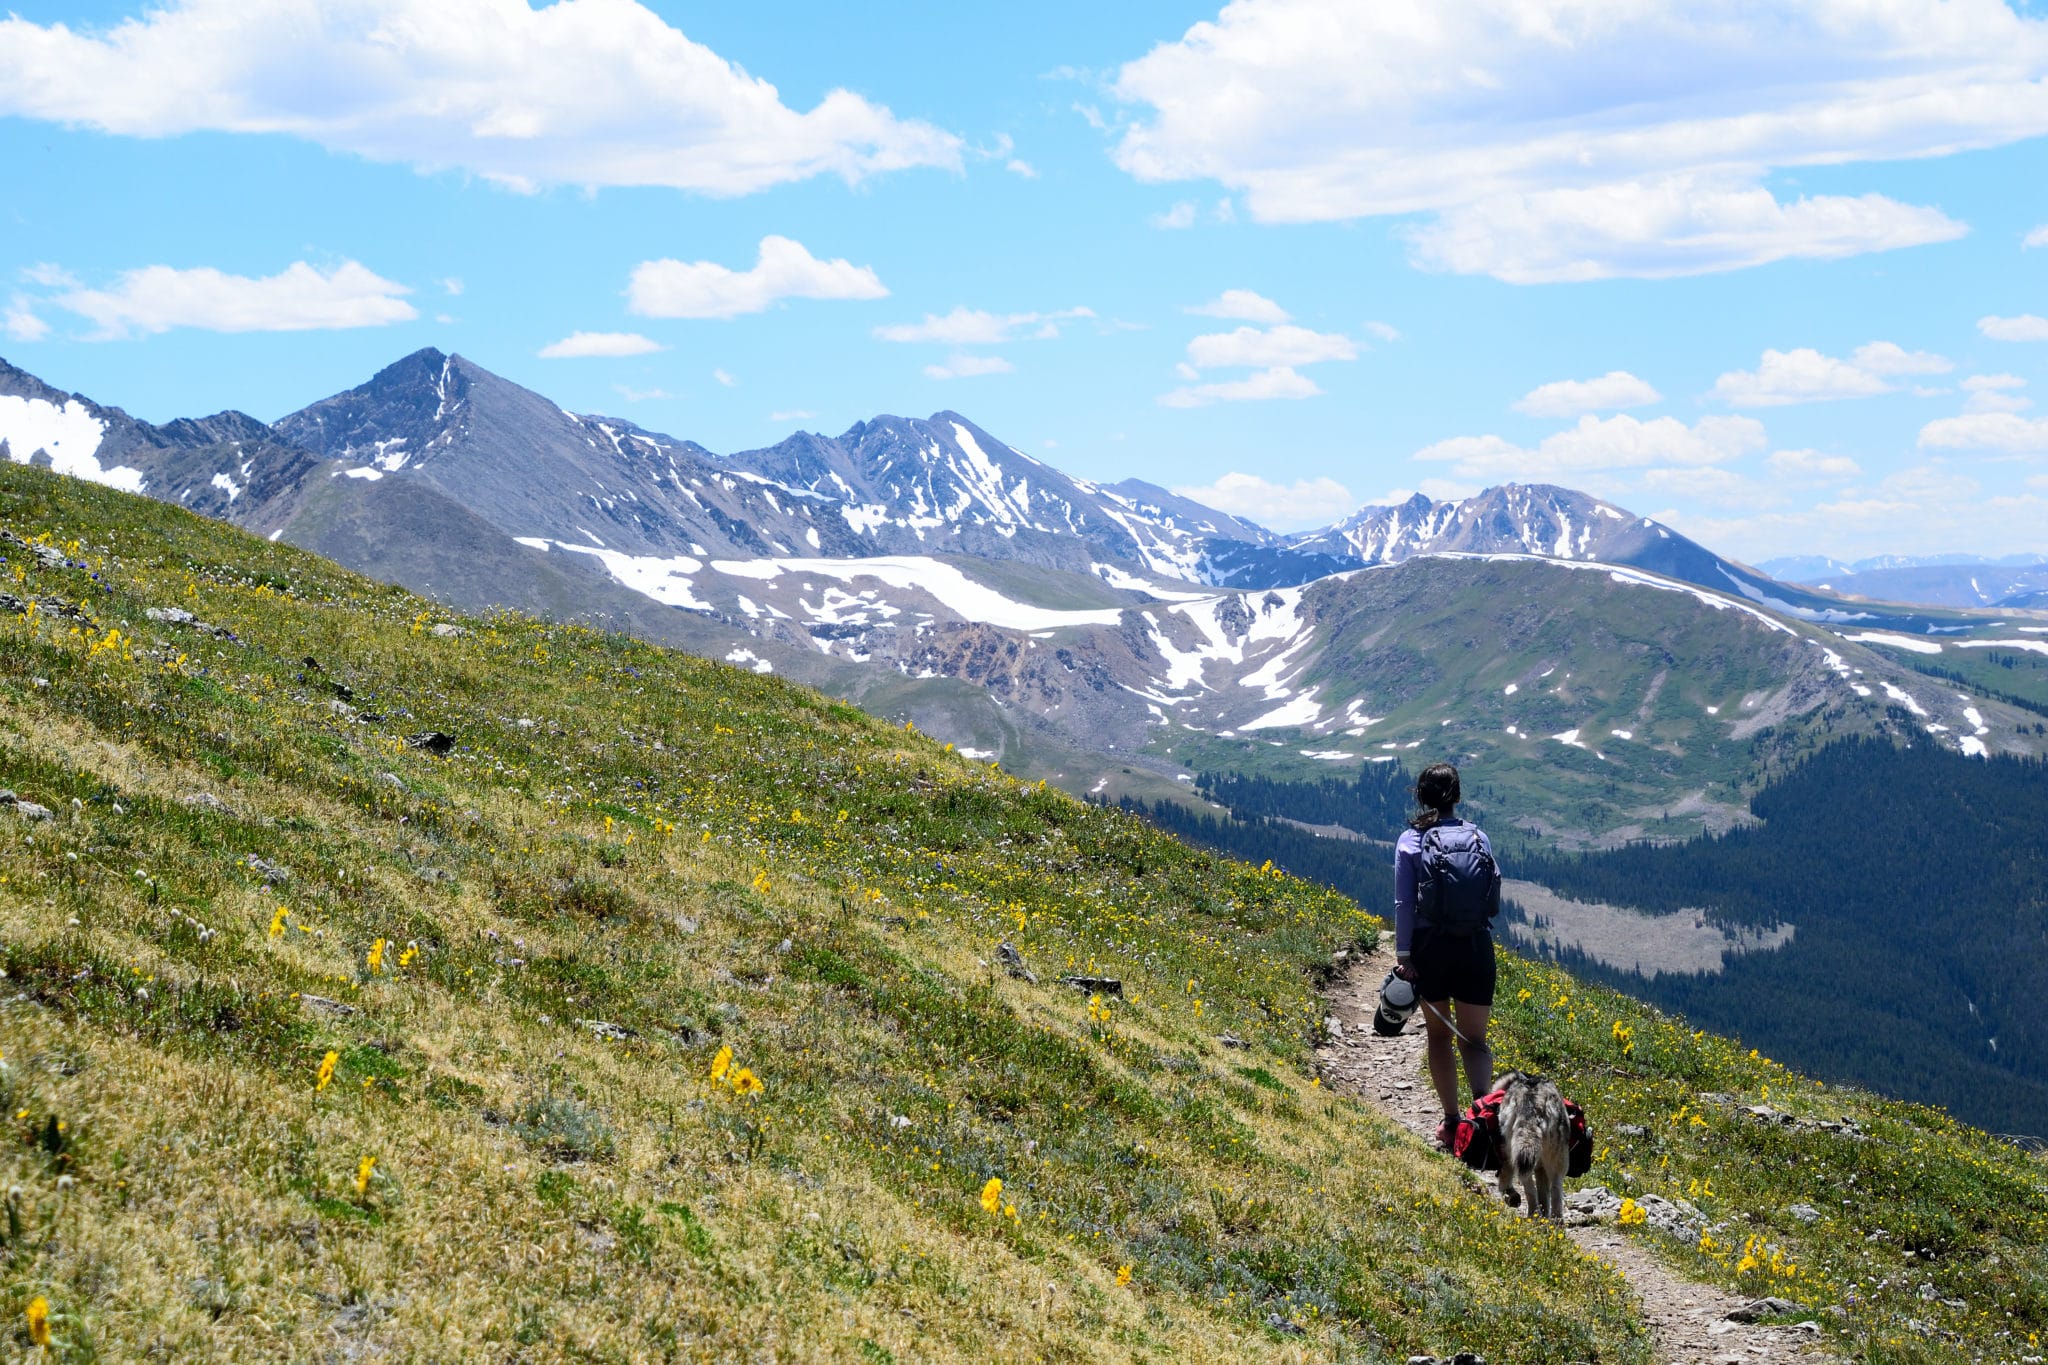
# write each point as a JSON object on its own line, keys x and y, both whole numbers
{"x": 2018, "y": 581}
{"x": 1113, "y": 636}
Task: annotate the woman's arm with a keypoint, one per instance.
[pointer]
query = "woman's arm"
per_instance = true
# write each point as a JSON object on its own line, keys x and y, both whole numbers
{"x": 1407, "y": 853}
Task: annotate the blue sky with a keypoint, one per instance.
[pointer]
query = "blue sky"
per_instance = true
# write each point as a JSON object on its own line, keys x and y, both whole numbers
{"x": 1758, "y": 269}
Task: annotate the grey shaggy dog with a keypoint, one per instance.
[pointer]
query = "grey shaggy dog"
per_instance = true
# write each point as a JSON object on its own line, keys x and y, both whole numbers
{"x": 1536, "y": 1137}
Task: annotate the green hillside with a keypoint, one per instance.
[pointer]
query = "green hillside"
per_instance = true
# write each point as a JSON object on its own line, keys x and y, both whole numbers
{"x": 657, "y": 1013}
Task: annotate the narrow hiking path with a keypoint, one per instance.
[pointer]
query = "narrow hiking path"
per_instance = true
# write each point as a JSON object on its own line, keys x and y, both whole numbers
{"x": 1689, "y": 1321}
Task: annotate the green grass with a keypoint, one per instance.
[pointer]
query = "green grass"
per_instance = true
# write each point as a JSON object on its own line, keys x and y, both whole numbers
{"x": 740, "y": 880}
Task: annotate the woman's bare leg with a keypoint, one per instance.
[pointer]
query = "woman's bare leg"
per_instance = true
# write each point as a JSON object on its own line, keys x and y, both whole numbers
{"x": 1478, "y": 1057}
{"x": 1443, "y": 1063}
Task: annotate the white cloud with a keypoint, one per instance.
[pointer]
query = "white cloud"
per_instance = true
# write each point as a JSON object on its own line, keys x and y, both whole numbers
{"x": 20, "y": 322}
{"x": 1662, "y": 229}
{"x": 1812, "y": 465}
{"x": 581, "y": 345}
{"x": 1557, "y": 140}
{"x": 298, "y": 298}
{"x": 782, "y": 270}
{"x": 792, "y": 415}
{"x": 1018, "y": 166}
{"x": 1275, "y": 383}
{"x": 1889, "y": 358}
{"x": 2038, "y": 237}
{"x": 451, "y": 286}
{"x": 968, "y": 366}
{"x": 1385, "y": 331}
{"x": 2000, "y": 431}
{"x": 633, "y": 395}
{"x": 1806, "y": 376}
{"x": 1295, "y": 506}
{"x": 975, "y": 327}
{"x": 1242, "y": 305}
{"x": 1270, "y": 349}
{"x": 1181, "y": 215}
{"x": 724, "y": 377}
{"x": 1920, "y": 510}
{"x": 1570, "y": 397}
{"x": 1598, "y": 443}
{"x": 2025, "y": 327}
{"x": 579, "y": 92}
{"x": 1995, "y": 393}
{"x": 50, "y": 276}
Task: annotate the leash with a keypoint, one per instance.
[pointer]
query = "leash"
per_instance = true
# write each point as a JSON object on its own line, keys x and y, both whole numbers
{"x": 1446, "y": 1023}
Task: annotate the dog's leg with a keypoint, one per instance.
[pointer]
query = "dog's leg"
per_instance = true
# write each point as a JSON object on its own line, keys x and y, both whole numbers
{"x": 1532, "y": 1190}
{"x": 1508, "y": 1193}
{"x": 1557, "y": 1196}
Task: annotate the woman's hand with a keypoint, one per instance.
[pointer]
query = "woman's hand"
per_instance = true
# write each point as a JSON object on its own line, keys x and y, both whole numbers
{"x": 1403, "y": 970}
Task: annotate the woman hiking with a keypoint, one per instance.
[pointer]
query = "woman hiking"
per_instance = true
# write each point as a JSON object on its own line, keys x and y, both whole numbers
{"x": 1446, "y": 892}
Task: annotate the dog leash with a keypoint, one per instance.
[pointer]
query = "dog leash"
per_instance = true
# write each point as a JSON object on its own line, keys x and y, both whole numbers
{"x": 1446, "y": 1023}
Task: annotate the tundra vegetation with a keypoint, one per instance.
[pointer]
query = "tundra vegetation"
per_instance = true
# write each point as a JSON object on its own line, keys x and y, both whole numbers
{"x": 380, "y": 982}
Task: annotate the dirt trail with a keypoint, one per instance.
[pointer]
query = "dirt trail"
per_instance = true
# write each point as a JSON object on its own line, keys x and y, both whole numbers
{"x": 1689, "y": 1320}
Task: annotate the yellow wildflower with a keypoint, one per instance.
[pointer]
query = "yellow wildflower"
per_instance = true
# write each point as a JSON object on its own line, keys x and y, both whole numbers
{"x": 376, "y": 957}
{"x": 721, "y": 1063}
{"x": 363, "y": 1169}
{"x": 761, "y": 883}
{"x": 1123, "y": 1276}
{"x": 39, "y": 1320}
{"x": 992, "y": 1194}
{"x": 1631, "y": 1214}
{"x": 326, "y": 1070}
{"x": 745, "y": 1082}
{"x": 277, "y": 921}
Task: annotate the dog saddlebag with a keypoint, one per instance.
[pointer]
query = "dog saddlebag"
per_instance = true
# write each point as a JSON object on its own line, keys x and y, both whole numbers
{"x": 1477, "y": 1139}
{"x": 1580, "y": 1159}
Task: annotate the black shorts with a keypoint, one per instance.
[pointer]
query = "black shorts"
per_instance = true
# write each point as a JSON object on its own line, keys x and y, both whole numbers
{"x": 1452, "y": 968}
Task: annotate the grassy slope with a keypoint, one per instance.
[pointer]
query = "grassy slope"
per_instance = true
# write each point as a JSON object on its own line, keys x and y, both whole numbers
{"x": 662, "y": 849}
{"x": 543, "y": 1189}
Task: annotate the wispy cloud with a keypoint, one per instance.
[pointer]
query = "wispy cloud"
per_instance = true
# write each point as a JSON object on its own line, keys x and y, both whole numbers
{"x": 976, "y": 327}
{"x": 1280, "y": 382}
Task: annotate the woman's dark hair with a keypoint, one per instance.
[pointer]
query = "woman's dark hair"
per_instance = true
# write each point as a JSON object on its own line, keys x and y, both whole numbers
{"x": 1436, "y": 791}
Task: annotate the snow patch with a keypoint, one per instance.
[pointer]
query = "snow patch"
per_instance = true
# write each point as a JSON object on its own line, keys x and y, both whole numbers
{"x": 69, "y": 435}
{"x": 1908, "y": 642}
{"x": 1903, "y": 698}
{"x": 227, "y": 486}
{"x": 747, "y": 656}
{"x": 960, "y": 594}
{"x": 1302, "y": 710}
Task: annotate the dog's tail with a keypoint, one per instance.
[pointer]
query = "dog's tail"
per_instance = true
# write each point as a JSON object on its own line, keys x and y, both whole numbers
{"x": 1525, "y": 1160}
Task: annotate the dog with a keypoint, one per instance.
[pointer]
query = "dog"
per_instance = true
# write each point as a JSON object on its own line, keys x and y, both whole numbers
{"x": 1535, "y": 1135}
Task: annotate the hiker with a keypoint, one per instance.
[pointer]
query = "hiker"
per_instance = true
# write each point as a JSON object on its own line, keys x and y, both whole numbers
{"x": 1446, "y": 891}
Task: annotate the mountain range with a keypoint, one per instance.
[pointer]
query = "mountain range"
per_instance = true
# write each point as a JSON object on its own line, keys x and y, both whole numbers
{"x": 1616, "y": 677}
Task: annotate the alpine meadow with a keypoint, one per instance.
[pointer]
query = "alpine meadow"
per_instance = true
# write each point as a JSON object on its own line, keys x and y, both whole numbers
{"x": 1297, "y": 681}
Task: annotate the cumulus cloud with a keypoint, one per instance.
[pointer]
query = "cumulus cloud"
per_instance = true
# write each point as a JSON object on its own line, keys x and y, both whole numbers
{"x": 2007, "y": 432}
{"x": 1268, "y": 349}
{"x": 1181, "y": 215}
{"x": 299, "y": 298}
{"x": 2038, "y": 237}
{"x": 1710, "y": 484}
{"x": 1282, "y": 506}
{"x": 1995, "y": 393}
{"x": 1570, "y": 397}
{"x": 1241, "y": 305}
{"x": 724, "y": 378}
{"x": 968, "y": 367}
{"x": 1385, "y": 331}
{"x": 782, "y": 270}
{"x": 2025, "y": 327}
{"x": 1807, "y": 376}
{"x": 792, "y": 415}
{"x": 579, "y": 92}
{"x": 579, "y": 345}
{"x": 1281, "y": 382}
{"x": 1552, "y": 140}
{"x": 20, "y": 322}
{"x": 1812, "y": 465}
{"x": 1598, "y": 444}
{"x": 976, "y": 327}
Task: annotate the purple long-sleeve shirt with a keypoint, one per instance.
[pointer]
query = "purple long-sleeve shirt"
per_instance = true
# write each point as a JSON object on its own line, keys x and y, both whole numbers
{"x": 1407, "y": 868}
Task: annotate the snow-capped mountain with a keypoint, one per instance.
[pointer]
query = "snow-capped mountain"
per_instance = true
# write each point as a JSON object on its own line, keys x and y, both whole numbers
{"x": 228, "y": 465}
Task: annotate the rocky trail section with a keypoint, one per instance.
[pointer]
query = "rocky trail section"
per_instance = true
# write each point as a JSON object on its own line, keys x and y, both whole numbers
{"x": 1691, "y": 1323}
